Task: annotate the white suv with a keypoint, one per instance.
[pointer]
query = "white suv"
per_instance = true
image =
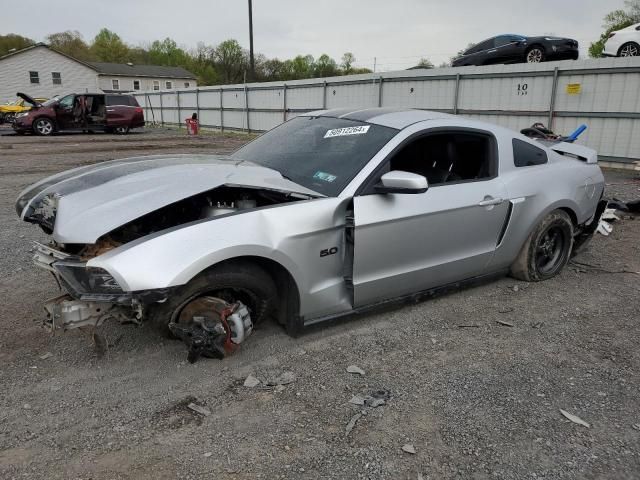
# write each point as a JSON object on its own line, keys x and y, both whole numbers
{"x": 623, "y": 43}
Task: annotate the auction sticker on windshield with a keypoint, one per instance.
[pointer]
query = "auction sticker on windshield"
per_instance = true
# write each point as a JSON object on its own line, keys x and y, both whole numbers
{"x": 327, "y": 177}
{"x": 342, "y": 132}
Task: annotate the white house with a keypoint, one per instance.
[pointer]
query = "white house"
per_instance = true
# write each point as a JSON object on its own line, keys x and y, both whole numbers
{"x": 41, "y": 71}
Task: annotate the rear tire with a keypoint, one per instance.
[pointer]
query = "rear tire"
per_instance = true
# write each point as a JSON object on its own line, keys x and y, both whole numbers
{"x": 43, "y": 126}
{"x": 631, "y": 49}
{"x": 231, "y": 281}
{"x": 547, "y": 250}
{"x": 535, "y": 55}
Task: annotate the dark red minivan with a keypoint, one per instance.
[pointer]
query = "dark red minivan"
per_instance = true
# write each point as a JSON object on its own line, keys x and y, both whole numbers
{"x": 86, "y": 112}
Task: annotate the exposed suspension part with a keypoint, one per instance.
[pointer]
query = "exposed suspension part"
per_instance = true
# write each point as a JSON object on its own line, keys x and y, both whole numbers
{"x": 212, "y": 327}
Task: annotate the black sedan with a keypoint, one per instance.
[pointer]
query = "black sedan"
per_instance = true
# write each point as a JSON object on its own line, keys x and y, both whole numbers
{"x": 518, "y": 49}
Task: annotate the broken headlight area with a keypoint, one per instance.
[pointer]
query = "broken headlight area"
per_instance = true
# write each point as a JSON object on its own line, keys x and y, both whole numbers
{"x": 86, "y": 280}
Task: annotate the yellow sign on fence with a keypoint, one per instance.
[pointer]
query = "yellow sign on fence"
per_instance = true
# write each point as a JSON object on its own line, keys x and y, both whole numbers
{"x": 574, "y": 88}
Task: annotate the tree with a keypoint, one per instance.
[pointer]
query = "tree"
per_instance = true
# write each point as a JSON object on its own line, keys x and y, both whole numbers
{"x": 613, "y": 21}
{"x": 231, "y": 61}
{"x": 71, "y": 43}
{"x": 167, "y": 52}
{"x": 359, "y": 70}
{"x": 425, "y": 63}
{"x": 325, "y": 66}
{"x": 302, "y": 67}
{"x": 107, "y": 46}
{"x": 12, "y": 42}
{"x": 348, "y": 59}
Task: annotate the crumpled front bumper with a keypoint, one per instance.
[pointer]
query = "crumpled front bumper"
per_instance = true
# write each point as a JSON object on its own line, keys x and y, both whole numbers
{"x": 80, "y": 308}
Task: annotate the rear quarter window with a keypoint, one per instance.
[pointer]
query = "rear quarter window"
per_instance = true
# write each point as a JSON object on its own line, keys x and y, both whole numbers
{"x": 126, "y": 100}
{"x": 527, "y": 155}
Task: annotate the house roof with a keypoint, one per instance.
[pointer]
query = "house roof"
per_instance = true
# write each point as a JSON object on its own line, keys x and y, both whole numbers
{"x": 127, "y": 69}
{"x": 134, "y": 70}
{"x": 40, "y": 44}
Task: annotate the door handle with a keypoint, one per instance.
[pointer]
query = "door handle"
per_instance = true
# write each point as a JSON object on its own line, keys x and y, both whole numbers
{"x": 488, "y": 201}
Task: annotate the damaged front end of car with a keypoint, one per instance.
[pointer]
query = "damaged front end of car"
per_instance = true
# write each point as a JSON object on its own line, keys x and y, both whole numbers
{"x": 93, "y": 295}
{"x": 95, "y": 213}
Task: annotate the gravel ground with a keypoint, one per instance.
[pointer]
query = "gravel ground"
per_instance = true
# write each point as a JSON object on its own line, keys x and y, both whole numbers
{"x": 476, "y": 402}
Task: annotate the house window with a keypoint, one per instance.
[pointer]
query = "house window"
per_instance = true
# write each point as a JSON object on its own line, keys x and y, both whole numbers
{"x": 168, "y": 85}
{"x": 34, "y": 77}
{"x": 56, "y": 78}
{"x": 156, "y": 85}
{"x": 187, "y": 84}
{"x": 136, "y": 84}
{"x": 115, "y": 84}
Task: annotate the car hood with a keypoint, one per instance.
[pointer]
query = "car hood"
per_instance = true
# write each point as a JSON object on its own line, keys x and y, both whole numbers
{"x": 81, "y": 205}
{"x": 29, "y": 99}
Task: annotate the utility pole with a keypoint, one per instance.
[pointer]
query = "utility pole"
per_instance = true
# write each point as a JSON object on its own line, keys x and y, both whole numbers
{"x": 374, "y": 62}
{"x": 252, "y": 65}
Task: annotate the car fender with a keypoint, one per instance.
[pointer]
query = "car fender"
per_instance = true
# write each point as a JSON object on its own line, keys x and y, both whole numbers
{"x": 293, "y": 235}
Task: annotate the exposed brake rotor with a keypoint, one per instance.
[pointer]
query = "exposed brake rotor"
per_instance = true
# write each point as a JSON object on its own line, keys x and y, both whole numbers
{"x": 212, "y": 327}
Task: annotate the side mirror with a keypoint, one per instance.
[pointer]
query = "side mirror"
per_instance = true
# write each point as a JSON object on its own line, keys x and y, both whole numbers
{"x": 398, "y": 181}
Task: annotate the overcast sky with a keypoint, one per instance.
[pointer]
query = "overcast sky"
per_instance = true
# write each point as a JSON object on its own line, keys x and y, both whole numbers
{"x": 397, "y": 32}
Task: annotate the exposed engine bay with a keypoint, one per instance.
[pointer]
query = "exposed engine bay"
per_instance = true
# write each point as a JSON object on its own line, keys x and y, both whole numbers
{"x": 221, "y": 201}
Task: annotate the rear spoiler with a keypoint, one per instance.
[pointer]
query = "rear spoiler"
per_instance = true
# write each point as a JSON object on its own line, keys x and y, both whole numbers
{"x": 580, "y": 152}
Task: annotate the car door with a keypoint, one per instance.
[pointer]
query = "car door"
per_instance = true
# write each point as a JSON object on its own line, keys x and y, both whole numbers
{"x": 65, "y": 119}
{"x": 117, "y": 110}
{"x": 484, "y": 53}
{"x": 406, "y": 243}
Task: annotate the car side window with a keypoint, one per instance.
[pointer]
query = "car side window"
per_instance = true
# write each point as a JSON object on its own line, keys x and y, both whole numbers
{"x": 445, "y": 158}
{"x": 527, "y": 155}
{"x": 486, "y": 45}
{"x": 502, "y": 41}
{"x": 114, "y": 100}
{"x": 66, "y": 102}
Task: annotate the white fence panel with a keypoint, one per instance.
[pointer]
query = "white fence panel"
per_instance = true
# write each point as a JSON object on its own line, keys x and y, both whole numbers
{"x": 604, "y": 94}
{"x": 307, "y": 98}
{"x": 429, "y": 94}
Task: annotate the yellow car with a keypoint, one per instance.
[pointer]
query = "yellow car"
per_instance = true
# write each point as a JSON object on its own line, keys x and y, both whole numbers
{"x": 9, "y": 110}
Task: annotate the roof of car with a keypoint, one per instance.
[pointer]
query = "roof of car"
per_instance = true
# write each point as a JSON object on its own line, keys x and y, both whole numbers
{"x": 389, "y": 117}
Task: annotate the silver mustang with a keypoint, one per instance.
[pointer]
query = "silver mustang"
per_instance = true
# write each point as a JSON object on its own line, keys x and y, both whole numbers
{"x": 329, "y": 214}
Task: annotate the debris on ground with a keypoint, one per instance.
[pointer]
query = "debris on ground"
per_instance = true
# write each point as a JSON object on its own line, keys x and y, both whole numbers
{"x": 609, "y": 215}
{"x": 251, "y": 382}
{"x": 604, "y": 228}
{"x": 46, "y": 355}
{"x": 468, "y": 326}
{"x": 373, "y": 399}
{"x": 506, "y": 324}
{"x": 352, "y": 423}
{"x": 616, "y": 204}
{"x": 355, "y": 370}
{"x": 207, "y": 454}
{"x": 199, "y": 409}
{"x": 408, "y": 448}
{"x": 284, "y": 378}
{"x": 574, "y": 418}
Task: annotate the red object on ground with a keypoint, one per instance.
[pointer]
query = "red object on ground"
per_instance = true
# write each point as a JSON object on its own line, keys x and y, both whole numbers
{"x": 192, "y": 126}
